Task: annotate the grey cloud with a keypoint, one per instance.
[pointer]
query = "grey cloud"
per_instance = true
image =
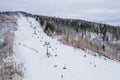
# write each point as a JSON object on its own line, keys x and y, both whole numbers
{"x": 105, "y": 11}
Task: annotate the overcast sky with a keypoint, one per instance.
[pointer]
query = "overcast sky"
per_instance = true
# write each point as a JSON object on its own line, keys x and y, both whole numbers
{"x": 103, "y": 11}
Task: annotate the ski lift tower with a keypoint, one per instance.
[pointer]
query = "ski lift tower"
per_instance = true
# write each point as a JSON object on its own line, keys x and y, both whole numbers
{"x": 47, "y": 44}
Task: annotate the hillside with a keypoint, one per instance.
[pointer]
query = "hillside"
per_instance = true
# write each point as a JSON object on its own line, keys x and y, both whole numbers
{"x": 101, "y": 38}
{"x": 38, "y": 53}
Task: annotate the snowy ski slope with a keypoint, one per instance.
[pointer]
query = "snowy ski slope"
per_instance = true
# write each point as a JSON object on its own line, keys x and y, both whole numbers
{"x": 64, "y": 63}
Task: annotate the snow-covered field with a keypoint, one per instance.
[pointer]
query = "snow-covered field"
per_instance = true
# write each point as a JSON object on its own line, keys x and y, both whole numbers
{"x": 64, "y": 63}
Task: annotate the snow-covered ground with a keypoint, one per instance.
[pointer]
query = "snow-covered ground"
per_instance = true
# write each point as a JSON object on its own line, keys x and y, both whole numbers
{"x": 65, "y": 62}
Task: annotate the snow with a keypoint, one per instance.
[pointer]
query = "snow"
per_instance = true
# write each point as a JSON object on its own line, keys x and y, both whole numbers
{"x": 65, "y": 62}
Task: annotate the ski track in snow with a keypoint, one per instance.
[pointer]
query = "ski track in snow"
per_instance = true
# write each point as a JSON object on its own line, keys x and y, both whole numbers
{"x": 65, "y": 63}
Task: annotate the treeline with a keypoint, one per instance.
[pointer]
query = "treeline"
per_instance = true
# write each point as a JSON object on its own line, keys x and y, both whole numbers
{"x": 9, "y": 69}
{"x": 60, "y": 25}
